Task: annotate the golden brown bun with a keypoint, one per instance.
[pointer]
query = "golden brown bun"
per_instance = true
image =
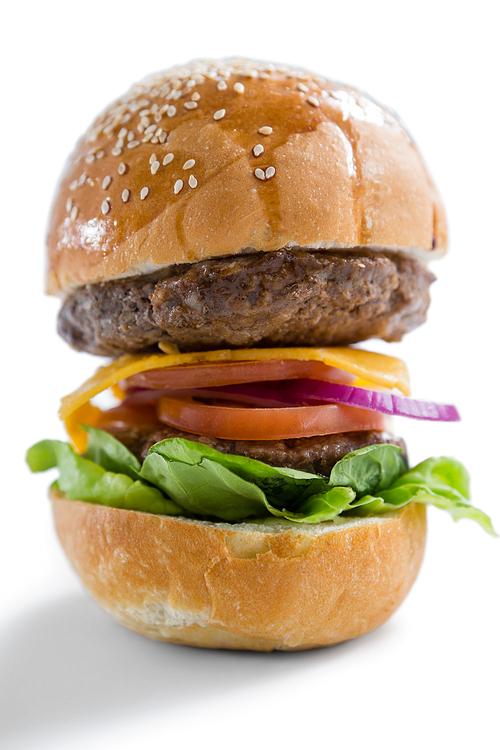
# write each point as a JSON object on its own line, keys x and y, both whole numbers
{"x": 338, "y": 171}
{"x": 256, "y": 586}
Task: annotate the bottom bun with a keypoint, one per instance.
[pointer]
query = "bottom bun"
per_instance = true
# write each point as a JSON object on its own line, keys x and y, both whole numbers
{"x": 260, "y": 585}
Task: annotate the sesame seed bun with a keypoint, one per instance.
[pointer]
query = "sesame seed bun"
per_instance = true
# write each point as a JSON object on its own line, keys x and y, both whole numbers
{"x": 220, "y": 157}
{"x": 257, "y": 586}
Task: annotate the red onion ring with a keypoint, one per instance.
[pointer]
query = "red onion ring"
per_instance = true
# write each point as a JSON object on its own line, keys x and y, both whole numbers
{"x": 306, "y": 392}
{"x": 380, "y": 401}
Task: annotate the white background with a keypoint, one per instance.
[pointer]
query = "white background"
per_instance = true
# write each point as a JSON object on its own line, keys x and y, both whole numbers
{"x": 71, "y": 678}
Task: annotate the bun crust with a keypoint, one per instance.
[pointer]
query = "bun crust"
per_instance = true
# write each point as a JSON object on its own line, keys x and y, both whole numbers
{"x": 256, "y": 586}
{"x": 184, "y": 168}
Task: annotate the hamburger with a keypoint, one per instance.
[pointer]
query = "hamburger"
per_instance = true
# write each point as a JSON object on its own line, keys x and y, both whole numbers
{"x": 226, "y": 232}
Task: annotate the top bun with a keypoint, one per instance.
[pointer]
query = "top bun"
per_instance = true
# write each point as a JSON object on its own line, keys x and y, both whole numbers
{"x": 225, "y": 156}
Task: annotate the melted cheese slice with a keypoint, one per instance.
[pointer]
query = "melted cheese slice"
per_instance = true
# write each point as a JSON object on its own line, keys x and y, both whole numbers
{"x": 376, "y": 369}
{"x": 86, "y": 414}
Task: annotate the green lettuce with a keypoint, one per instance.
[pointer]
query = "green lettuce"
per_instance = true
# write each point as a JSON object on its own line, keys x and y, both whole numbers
{"x": 184, "y": 477}
{"x": 83, "y": 479}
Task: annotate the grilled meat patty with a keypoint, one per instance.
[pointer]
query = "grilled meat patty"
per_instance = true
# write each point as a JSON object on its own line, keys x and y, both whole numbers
{"x": 282, "y": 298}
{"x": 317, "y": 455}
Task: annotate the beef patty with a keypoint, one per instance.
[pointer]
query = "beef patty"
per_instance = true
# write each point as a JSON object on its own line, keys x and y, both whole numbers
{"x": 317, "y": 455}
{"x": 282, "y": 298}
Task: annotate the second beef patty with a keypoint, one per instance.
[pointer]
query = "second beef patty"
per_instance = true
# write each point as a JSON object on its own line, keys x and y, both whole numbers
{"x": 316, "y": 455}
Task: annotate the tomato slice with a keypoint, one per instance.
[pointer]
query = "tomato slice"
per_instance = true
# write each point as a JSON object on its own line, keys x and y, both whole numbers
{"x": 229, "y": 373}
{"x": 237, "y": 423}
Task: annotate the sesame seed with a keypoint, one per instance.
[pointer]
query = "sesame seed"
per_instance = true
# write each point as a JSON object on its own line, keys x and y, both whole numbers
{"x": 190, "y": 105}
{"x": 73, "y": 185}
{"x": 106, "y": 182}
{"x": 266, "y": 130}
{"x": 258, "y": 149}
{"x": 189, "y": 163}
{"x": 74, "y": 213}
{"x": 142, "y": 110}
{"x": 178, "y": 186}
{"x": 89, "y": 158}
{"x": 105, "y": 206}
{"x": 125, "y": 195}
{"x": 116, "y": 151}
{"x": 193, "y": 182}
{"x": 132, "y": 144}
{"x": 167, "y": 159}
{"x": 144, "y": 192}
{"x": 260, "y": 174}
{"x": 69, "y": 204}
{"x": 122, "y": 168}
{"x": 155, "y": 167}
{"x": 270, "y": 172}
{"x": 152, "y": 158}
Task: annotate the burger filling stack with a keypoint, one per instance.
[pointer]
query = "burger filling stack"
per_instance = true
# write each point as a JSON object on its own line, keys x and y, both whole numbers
{"x": 227, "y": 233}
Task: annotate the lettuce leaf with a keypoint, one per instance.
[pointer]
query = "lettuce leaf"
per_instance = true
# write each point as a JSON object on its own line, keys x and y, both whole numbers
{"x": 369, "y": 469}
{"x": 209, "y": 483}
{"x": 205, "y": 488}
{"x": 108, "y": 452}
{"x": 282, "y": 485}
{"x": 82, "y": 479}
{"x": 182, "y": 476}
